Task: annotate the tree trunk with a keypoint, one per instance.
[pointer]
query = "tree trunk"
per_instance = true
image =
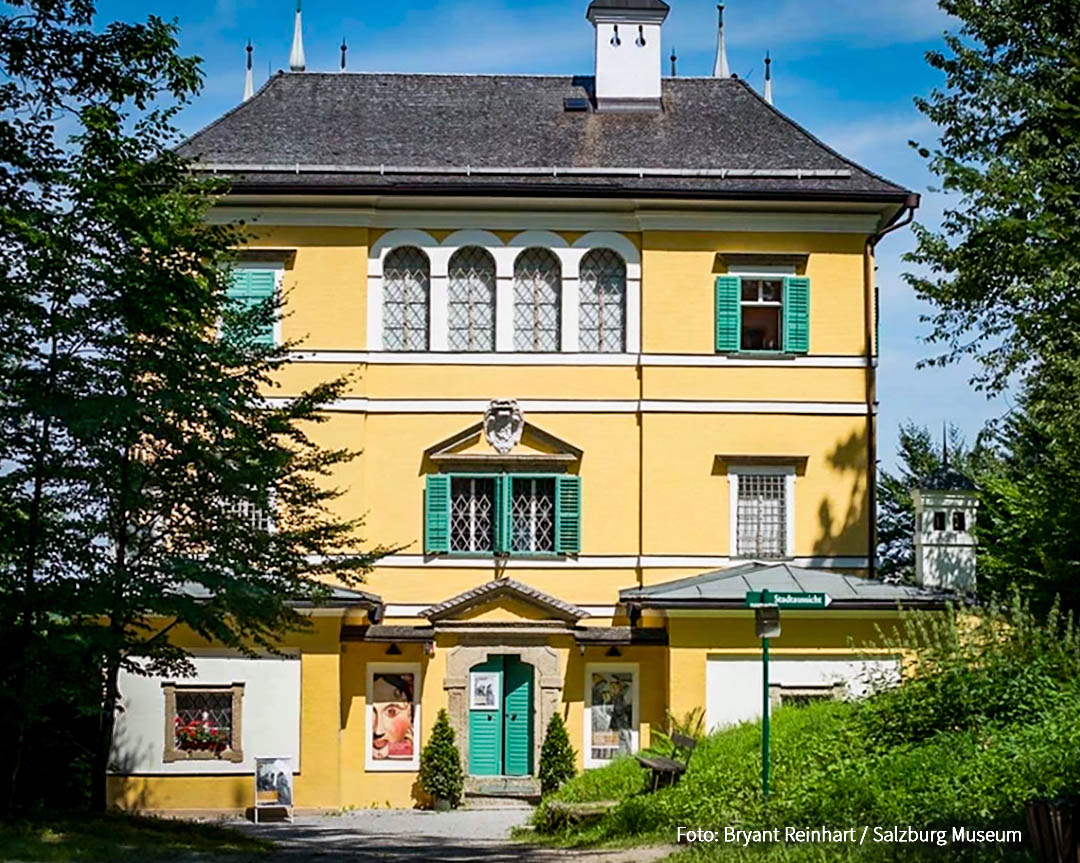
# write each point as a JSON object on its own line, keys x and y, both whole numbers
{"x": 99, "y": 797}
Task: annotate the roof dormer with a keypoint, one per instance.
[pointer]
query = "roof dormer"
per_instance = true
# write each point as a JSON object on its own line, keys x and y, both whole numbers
{"x": 628, "y": 58}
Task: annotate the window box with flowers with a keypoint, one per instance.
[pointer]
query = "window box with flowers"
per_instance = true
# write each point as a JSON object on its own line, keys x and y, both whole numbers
{"x": 202, "y": 723}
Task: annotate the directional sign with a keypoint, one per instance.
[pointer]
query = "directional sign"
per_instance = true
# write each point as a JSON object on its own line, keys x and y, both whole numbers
{"x": 786, "y": 599}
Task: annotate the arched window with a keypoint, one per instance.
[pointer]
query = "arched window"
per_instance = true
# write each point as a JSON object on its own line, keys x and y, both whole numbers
{"x": 406, "y": 288}
{"x": 537, "y": 278}
{"x": 602, "y": 315}
{"x": 472, "y": 300}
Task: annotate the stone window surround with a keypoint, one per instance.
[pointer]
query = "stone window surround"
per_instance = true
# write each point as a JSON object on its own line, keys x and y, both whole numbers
{"x": 235, "y": 751}
{"x": 547, "y": 689}
{"x": 734, "y": 471}
{"x": 505, "y": 254}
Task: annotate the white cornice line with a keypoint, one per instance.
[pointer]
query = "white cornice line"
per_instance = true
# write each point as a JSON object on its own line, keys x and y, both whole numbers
{"x": 588, "y": 406}
{"x": 413, "y": 609}
{"x": 585, "y": 561}
{"x": 729, "y": 220}
{"x": 574, "y": 359}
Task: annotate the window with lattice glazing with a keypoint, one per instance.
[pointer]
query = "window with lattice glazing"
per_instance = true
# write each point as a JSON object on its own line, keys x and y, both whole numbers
{"x": 406, "y": 292}
{"x": 472, "y": 514}
{"x": 602, "y": 314}
{"x": 532, "y": 515}
{"x": 202, "y": 722}
{"x": 537, "y": 283}
{"x": 256, "y": 517}
{"x": 472, "y": 300}
{"x": 761, "y": 516}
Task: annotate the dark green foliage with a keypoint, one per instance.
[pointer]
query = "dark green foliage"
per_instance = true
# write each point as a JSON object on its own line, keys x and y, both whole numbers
{"x": 440, "y": 763}
{"x": 926, "y": 753}
{"x": 557, "y": 757}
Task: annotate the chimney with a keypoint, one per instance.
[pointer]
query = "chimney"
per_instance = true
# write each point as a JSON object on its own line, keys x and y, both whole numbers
{"x": 628, "y": 57}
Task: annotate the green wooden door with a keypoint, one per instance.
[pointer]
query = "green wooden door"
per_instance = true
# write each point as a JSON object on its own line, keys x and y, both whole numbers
{"x": 517, "y": 718}
{"x": 501, "y": 732}
{"x": 486, "y": 725}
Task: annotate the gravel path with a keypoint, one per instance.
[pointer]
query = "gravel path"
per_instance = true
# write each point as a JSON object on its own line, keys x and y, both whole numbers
{"x": 404, "y": 836}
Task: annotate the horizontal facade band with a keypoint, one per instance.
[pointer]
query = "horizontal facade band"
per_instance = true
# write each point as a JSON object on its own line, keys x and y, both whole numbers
{"x": 602, "y": 561}
{"x": 589, "y": 406}
{"x": 402, "y": 358}
{"x": 725, "y": 220}
{"x": 413, "y": 609}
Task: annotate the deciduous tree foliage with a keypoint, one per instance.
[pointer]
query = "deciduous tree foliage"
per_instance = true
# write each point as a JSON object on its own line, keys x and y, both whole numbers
{"x": 135, "y": 440}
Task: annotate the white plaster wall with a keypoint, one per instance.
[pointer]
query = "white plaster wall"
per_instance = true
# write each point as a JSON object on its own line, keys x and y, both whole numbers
{"x": 628, "y": 69}
{"x": 733, "y": 685}
{"x": 270, "y": 715}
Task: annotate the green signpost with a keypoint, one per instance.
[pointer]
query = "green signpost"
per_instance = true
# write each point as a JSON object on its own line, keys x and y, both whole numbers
{"x": 767, "y": 605}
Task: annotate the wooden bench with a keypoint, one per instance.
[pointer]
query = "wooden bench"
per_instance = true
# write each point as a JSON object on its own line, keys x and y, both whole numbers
{"x": 667, "y": 771}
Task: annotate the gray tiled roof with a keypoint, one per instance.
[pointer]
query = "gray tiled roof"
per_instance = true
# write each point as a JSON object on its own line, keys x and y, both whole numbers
{"x": 728, "y": 587}
{"x": 384, "y": 133}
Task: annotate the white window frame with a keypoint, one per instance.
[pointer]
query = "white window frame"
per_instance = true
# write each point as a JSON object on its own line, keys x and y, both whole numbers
{"x": 278, "y": 270}
{"x": 632, "y": 668}
{"x": 734, "y": 472}
{"x": 386, "y": 766}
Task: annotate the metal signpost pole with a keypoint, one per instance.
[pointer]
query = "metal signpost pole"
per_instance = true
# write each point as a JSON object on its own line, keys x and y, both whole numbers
{"x": 765, "y": 717}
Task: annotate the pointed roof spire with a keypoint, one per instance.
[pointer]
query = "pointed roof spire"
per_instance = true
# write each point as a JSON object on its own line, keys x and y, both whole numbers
{"x": 721, "y": 68}
{"x": 249, "y": 75}
{"x": 768, "y": 78}
{"x": 344, "y": 48}
{"x": 297, "y": 63}
{"x": 674, "y": 62}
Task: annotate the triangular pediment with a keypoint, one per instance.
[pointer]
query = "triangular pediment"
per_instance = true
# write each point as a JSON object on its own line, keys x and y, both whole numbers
{"x": 536, "y": 447}
{"x": 504, "y": 601}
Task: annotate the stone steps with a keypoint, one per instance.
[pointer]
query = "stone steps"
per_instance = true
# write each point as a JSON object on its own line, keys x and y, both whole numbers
{"x": 501, "y": 792}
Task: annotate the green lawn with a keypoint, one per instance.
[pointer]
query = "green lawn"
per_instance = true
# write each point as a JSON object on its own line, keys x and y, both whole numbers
{"x": 122, "y": 838}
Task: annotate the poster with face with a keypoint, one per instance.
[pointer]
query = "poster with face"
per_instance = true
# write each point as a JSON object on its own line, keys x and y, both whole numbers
{"x": 273, "y": 782}
{"x": 612, "y": 713}
{"x": 484, "y": 690}
{"x": 392, "y": 731}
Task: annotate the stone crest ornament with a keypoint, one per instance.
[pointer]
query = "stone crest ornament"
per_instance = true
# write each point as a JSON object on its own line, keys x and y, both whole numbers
{"x": 503, "y": 425}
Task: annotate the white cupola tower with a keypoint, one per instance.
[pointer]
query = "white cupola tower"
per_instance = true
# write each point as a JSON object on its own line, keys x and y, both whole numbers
{"x": 628, "y": 56}
{"x": 945, "y": 506}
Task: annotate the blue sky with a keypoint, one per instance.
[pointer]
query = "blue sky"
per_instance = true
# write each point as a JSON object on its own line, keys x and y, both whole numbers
{"x": 846, "y": 69}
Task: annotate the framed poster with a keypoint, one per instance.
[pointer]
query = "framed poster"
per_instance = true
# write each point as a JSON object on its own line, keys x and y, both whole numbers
{"x": 393, "y": 711}
{"x": 484, "y": 690}
{"x": 611, "y": 703}
{"x": 273, "y": 783}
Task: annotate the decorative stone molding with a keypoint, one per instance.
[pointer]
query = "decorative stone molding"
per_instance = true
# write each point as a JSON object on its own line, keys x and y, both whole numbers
{"x": 503, "y": 424}
{"x": 547, "y": 688}
{"x": 234, "y": 753}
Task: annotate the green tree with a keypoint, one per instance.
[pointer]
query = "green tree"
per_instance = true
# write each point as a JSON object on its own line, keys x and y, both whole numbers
{"x": 440, "y": 763}
{"x": 1004, "y": 270}
{"x": 919, "y": 455}
{"x": 557, "y": 757}
{"x": 145, "y": 461}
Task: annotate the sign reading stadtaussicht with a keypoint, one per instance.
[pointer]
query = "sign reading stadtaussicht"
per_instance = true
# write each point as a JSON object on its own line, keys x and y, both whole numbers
{"x": 787, "y": 599}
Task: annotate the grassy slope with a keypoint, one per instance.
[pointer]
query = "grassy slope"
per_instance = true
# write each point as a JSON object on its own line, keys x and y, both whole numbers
{"x": 122, "y": 838}
{"x": 826, "y": 773}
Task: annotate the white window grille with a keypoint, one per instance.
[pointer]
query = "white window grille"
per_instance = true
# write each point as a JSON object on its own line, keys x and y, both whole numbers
{"x": 472, "y": 514}
{"x": 472, "y": 300}
{"x": 532, "y": 515}
{"x": 762, "y": 314}
{"x": 602, "y": 313}
{"x": 406, "y": 289}
{"x": 258, "y": 518}
{"x": 761, "y": 516}
{"x": 537, "y": 277}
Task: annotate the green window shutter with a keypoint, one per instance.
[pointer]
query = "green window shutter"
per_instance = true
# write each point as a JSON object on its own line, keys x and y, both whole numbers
{"x": 568, "y": 514}
{"x": 250, "y": 288}
{"x": 796, "y": 315}
{"x": 504, "y": 489}
{"x": 728, "y": 314}
{"x": 437, "y": 514}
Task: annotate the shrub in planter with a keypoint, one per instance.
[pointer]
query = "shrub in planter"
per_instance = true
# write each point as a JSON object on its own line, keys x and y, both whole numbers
{"x": 557, "y": 757}
{"x": 440, "y": 765}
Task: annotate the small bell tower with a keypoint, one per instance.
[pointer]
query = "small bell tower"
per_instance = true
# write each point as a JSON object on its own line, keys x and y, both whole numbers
{"x": 946, "y": 504}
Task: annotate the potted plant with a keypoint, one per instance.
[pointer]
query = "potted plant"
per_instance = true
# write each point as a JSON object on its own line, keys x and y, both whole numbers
{"x": 440, "y": 766}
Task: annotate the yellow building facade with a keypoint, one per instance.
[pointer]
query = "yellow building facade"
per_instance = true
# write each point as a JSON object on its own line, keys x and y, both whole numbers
{"x": 607, "y": 374}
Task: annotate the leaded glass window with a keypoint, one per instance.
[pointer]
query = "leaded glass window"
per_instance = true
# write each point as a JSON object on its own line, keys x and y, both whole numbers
{"x": 258, "y": 518}
{"x": 603, "y": 302}
{"x": 472, "y": 300}
{"x": 406, "y": 289}
{"x": 204, "y": 719}
{"x": 537, "y": 278}
{"x": 761, "y": 516}
{"x": 472, "y": 514}
{"x": 532, "y": 515}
